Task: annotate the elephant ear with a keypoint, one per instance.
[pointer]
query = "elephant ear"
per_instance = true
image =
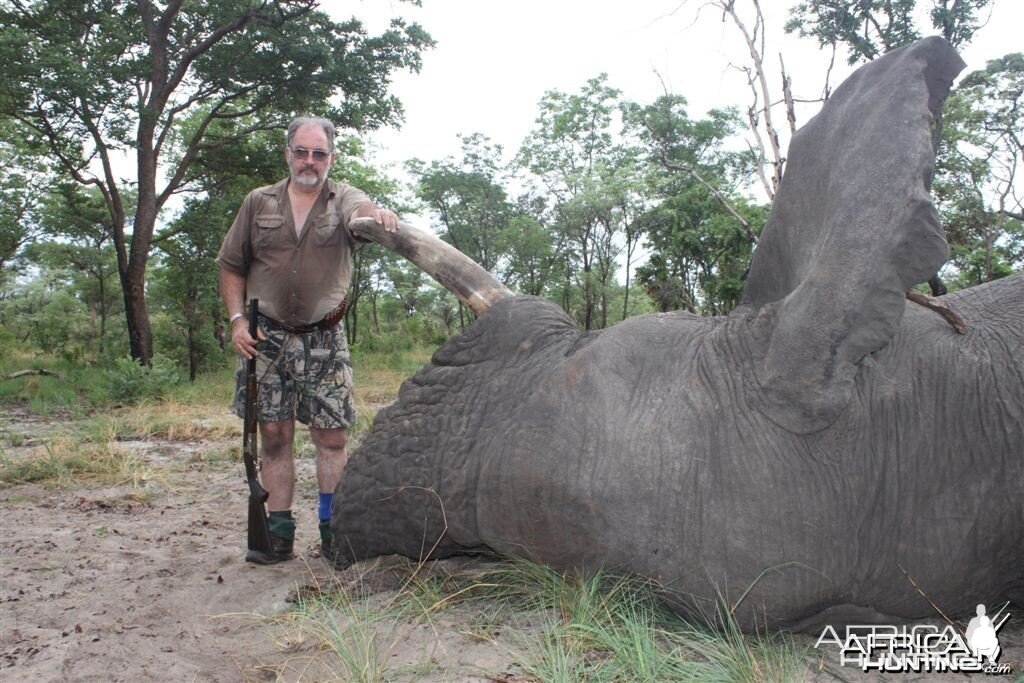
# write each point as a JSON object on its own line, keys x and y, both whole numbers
{"x": 852, "y": 229}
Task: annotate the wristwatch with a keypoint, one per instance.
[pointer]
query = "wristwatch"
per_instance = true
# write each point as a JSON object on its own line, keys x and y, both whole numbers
{"x": 235, "y": 317}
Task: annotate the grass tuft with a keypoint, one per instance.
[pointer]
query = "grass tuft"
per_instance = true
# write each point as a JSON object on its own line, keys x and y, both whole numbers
{"x": 66, "y": 462}
{"x": 550, "y": 626}
{"x": 169, "y": 419}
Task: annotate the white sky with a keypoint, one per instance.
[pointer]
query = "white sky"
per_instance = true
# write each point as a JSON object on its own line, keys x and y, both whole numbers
{"x": 494, "y": 61}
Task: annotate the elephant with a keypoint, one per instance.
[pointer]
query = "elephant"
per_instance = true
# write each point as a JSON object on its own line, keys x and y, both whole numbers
{"x": 829, "y": 452}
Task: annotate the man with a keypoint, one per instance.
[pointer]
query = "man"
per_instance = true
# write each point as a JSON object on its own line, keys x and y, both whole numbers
{"x": 290, "y": 246}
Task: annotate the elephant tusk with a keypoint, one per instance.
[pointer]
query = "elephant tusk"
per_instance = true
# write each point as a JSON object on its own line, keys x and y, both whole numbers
{"x": 456, "y": 272}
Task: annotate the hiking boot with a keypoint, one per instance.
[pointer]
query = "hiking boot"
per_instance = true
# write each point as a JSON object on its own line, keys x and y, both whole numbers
{"x": 282, "y": 549}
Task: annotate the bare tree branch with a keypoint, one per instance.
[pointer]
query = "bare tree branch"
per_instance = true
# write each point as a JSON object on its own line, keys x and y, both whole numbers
{"x": 722, "y": 199}
{"x": 759, "y": 87}
{"x": 787, "y": 95}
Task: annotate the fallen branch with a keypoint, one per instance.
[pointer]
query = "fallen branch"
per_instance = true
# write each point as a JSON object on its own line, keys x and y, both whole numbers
{"x": 940, "y": 307}
{"x": 30, "y": 371}
{"x": 925, "y": 596}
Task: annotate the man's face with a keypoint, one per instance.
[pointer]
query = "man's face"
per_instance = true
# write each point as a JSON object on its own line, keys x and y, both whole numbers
{"x": 308, "y": 143}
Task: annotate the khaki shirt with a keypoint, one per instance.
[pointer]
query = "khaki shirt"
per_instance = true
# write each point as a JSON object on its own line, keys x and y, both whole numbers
{"x": 298, "y": 278}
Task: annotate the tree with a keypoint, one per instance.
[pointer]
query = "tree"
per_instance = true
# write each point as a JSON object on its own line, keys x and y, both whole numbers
{"x": 699, "y": 252}
{"x": 469, "y": 201}
{"x": 977, "y": 182}
{"x": 353, "y": 167}
{"x": 80, "y": 245}
{"x": 184, "y": 283}
{"x": 569, "y": 151}
{"x": 47, "y": 310}
{"x": 23, "y": 183}
{"x": 699, "y": 229}
{"x": 468, "y": 198}
{"x": 531, "y": 254}
{"x": 870, "y": 28}
{"x": 100, "y": 81}
{"x": 609, "y": 204}
{"x": 760, "y": 119}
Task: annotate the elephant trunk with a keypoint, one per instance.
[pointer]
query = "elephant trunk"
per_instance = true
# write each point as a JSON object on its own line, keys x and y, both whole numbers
{"x": 456, "y": 272}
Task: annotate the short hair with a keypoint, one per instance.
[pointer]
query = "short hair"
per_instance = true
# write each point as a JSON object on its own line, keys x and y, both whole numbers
{"x": 300, "y": 121}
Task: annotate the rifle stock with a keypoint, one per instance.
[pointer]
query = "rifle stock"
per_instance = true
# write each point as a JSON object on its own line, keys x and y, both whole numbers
{"x": 260, "y": 548}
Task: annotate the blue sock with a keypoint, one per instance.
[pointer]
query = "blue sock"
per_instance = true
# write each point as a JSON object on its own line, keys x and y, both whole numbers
{"x": 324, "y": 511}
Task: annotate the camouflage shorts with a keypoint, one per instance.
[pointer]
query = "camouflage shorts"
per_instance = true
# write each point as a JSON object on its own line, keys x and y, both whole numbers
{"x": 307, "y": 377}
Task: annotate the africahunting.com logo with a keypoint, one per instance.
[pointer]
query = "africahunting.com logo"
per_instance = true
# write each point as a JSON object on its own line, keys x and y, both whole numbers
{"x": 923, "y": 648}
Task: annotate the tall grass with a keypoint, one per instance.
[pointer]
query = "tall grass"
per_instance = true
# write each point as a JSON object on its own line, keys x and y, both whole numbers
{"x": 550, "y": 626}
{"x": 197, "y": 411}
{"x": 354, "y": 633}
{"x": 378, "y": 375}
{"x": 66, "y": 387}
{"x": 65, "y": 462}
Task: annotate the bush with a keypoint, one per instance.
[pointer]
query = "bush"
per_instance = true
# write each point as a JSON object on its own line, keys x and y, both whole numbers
{"x": 384, "y": 343}
{"x": 129, "y": 382}
{"x": 170, "y": 335}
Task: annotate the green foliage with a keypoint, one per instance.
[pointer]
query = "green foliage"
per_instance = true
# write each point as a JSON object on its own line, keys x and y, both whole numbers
{"x": 67, "y": 388}
{"x": 976, "y": 183}
{"x": 405, "y": 361}
{"x": 22, "y": 181}
{"x": 869, "y": 28}
{"x": 80, "y": 250}
{"x": 700, "y": 253}
{"x": 531, "y": 255}
{"x": 60, "y": 311}
{"x": 392, "y": 343}
{"x": 129, "y": 381}
{"x": 194, "y": 351}
{"x": 91, "y": 80}
{"x": 469, "y": 200}
{"x": 44, "y": 313}
{"x": 189, "y": 325}
{"x": 592, "y": 182}
{"x": 699, "y": 247}
{"x": 371, "y": 264}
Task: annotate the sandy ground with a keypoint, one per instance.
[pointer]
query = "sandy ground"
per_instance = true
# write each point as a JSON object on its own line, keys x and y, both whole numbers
{"x": 102, "y": 584}
{"x": 97, "y": 585}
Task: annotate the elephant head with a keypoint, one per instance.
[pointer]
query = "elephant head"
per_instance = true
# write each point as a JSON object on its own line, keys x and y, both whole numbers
{"x": 814, "y": 451}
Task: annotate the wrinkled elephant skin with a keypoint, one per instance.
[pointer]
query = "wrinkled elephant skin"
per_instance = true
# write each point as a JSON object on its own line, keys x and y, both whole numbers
{"x": 822, "y": 446}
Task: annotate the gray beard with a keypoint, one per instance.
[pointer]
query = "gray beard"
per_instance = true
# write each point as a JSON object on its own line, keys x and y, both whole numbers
{"x": 306, "y": 180}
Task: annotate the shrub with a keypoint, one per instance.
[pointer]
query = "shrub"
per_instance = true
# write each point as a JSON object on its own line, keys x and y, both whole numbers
{"x": 130, "y": 382}
{"x": 170, "y": 335}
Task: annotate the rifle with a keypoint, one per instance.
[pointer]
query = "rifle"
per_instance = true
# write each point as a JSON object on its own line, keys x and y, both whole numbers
{"x": 260, "y": 549}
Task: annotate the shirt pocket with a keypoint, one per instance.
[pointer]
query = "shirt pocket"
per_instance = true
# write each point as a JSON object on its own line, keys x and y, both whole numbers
{"x": 328, "y": 230}
{"x": 268, "y": 228}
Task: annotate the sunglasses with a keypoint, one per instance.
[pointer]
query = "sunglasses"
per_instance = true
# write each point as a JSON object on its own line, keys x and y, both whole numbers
{"x": 303, "y": 153}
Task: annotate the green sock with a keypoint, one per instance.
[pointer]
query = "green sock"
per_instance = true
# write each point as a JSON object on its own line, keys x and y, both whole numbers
{"x": 281, "y": 524}
{"x": 325, "y": 530}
